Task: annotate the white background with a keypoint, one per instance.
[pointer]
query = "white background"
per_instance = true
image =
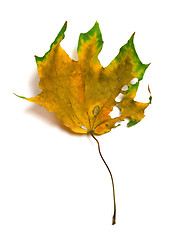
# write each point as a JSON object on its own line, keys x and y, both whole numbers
{"x": 53, "y": 184}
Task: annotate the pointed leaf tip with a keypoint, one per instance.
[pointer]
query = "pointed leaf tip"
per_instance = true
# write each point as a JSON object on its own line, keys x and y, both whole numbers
{"x": 132, "y": 122}
{"x": 19, "y": 96}
{"x": 132, "y": 36}
{"x": 57, "y": 40}
{"x": 91, "y": 39}
{"x": 131, "y": 40}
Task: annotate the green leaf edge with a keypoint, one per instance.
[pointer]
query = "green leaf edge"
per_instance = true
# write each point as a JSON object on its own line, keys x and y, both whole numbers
{"x": 150, "y": 99}
{"x": 84, "y": 37}
{"x": 132, "y": 123}
{"x": 130, "y": 46}
{"x": 60, "y": 34}
{"x": 131, "y": 87}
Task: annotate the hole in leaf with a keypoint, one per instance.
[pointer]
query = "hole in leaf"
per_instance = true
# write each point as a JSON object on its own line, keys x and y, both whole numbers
{"x": 134, "y": 80}
{"x": 119, "y": 97}
{"x": 124, "y": 88}
{"x": 115, "y": 112}
{"x": 83, "y": 127}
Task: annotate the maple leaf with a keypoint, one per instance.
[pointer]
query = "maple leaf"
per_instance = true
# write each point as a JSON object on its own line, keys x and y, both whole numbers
{"x": 82, "y": 93}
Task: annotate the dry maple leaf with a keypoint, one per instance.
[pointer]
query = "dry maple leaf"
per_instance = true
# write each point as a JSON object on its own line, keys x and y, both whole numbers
{"x": 82, "y": 93}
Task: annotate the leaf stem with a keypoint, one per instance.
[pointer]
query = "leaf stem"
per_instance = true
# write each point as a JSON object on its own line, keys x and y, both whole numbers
{"x": 114, "y": 215}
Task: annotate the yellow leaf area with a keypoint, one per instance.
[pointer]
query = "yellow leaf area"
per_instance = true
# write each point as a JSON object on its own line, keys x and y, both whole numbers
{"x": 82, "y": 93}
